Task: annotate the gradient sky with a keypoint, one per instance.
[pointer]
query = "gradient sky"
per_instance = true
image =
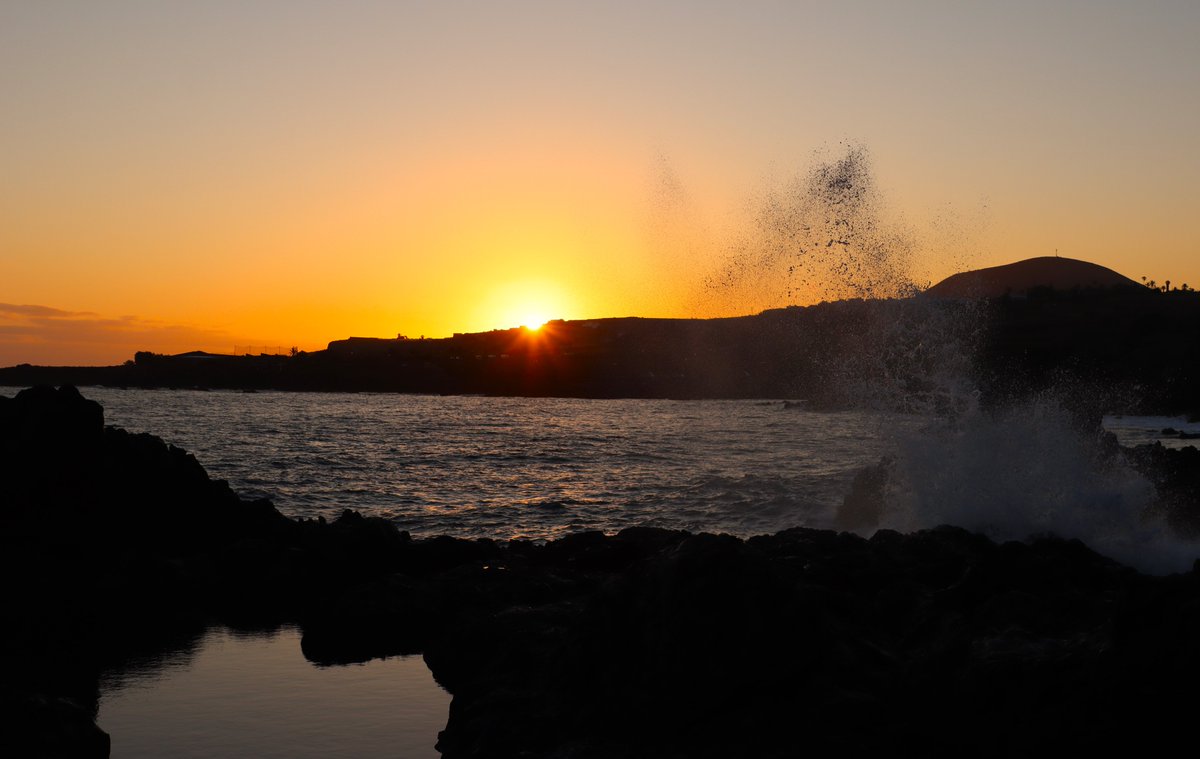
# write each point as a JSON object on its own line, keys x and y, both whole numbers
{"x": 210, "y": 174}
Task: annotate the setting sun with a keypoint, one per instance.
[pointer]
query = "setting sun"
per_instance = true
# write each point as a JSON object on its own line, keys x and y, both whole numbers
{"x": 525, "y": 303}
{"x": 205, "y": 178}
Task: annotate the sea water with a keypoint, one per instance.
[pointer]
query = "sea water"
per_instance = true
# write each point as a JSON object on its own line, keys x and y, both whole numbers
{"x": 541, "y": 467}
{"x": 518, "y": 467}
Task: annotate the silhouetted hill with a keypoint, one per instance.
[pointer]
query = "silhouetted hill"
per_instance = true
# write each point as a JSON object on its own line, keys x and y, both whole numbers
{"x": 1128, "y": 349}
{"x": 1134, "y": 347}
{"x": 1023, "y": 276}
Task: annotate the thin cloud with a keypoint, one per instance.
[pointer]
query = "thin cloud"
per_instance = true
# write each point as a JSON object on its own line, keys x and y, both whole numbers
{"x": 44, "y": 311}
{"x": 39, "y": 334}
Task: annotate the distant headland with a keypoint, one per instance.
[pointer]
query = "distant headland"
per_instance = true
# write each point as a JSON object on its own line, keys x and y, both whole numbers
{"x": 1022, "y": 276}
{"x": 1029, "y": 324}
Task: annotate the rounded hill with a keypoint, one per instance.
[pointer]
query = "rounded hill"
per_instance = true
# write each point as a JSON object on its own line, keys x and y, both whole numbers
{"x": 1023, "y": 276}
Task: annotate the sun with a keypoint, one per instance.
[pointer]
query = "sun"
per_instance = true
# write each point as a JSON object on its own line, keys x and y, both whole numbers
{"x": 535, "y": 316}
{"x": 529, "y": 304}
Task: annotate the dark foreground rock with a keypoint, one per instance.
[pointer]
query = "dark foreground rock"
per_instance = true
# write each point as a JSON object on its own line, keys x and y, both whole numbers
{"x": 1175, "y": 473}
{"x": 648, "y": 643}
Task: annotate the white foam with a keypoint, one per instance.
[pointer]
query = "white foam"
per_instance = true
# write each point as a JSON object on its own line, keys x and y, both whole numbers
{"x": 1030, "y": 470}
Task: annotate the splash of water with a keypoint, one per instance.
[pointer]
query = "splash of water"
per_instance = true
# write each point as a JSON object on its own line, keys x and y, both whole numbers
{"x": 1029, "y": 470}
{"x": 1013, "y": 472}
{"x": 907, "y": 355}
{"x": 825, "y": 235}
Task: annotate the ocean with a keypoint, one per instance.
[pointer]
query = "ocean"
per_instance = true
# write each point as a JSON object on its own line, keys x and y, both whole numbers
{"x": 518, "y": 467}
{"x": 538, "y": 468}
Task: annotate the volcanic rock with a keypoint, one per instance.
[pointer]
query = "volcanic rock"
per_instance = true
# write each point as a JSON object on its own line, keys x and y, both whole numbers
{"x": 648, "y": 643}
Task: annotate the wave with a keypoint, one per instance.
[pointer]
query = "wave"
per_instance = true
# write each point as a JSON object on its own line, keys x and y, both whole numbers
{"x": 1030, "y": 470}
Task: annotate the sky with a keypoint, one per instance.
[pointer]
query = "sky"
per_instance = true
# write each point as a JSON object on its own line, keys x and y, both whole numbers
{"x": 207, "y": 175}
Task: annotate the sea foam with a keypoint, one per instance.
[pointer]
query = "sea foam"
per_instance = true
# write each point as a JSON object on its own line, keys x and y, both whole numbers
{"x": 1029, "y": 470}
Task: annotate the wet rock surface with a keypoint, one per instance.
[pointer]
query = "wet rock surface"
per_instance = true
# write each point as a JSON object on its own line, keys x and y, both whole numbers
{"x": 1175, "y": 473}
{"x": 647, "y": 643}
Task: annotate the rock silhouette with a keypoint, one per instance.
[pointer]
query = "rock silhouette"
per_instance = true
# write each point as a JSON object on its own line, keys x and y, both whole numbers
{"x": 1132, "y": 347}
{"x": 644, "y": 643}
{"x": 1046, "y": 272}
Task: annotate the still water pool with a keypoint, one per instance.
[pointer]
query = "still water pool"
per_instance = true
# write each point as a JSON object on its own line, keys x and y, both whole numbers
{"x": 236, "y": 695}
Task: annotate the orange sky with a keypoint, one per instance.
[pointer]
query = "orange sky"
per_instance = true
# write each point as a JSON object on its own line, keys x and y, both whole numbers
{"x": 211, "y": 174}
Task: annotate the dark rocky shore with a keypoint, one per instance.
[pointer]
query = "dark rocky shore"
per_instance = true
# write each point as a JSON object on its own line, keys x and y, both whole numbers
{"x": 648, "y": 643}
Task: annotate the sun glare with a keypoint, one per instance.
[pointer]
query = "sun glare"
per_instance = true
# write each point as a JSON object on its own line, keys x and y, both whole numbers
{"x": 526, "y": 304}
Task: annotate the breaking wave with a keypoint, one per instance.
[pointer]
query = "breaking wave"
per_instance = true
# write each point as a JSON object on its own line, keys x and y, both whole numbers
{"x": 1029, "y": 470}
{"x": 1022, "y": 469}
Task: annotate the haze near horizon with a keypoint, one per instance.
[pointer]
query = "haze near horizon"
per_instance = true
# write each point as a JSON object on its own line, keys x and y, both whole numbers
{"x": 208, "y": 175}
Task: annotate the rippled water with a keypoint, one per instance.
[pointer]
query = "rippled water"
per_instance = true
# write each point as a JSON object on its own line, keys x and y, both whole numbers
{"x": 505, "y": 467}
{"x": 533, "y": 467}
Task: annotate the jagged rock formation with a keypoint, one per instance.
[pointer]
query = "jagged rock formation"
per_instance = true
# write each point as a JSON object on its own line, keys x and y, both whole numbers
{"x": 648, "y": 643}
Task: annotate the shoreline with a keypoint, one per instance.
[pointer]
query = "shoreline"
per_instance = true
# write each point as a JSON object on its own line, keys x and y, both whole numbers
{"x": 646, "y": 642}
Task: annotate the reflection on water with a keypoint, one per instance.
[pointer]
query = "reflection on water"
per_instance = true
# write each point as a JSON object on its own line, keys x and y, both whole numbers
{"x": 519, "y": 467}
{"x": 238, "y": 695}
